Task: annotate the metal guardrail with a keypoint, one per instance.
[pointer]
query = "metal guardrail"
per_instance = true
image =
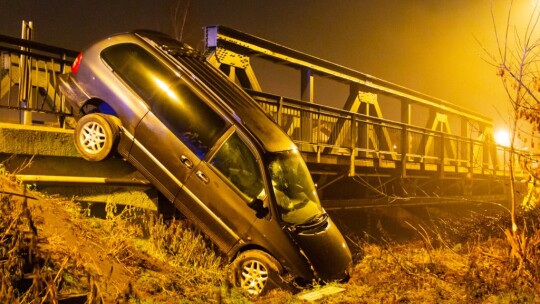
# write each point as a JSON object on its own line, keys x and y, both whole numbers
{"x": 365, "y": 138}
{"x": 28, "y": 73}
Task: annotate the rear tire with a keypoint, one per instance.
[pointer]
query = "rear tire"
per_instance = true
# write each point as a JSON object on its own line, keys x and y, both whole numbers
{"x": 256, "y": 272}
{"x": 95, "y": 136}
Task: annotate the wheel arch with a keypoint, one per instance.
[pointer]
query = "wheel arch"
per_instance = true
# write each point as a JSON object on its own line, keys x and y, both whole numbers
{"x": 256, "y": 271}
{"x": 97, "y": 105}
{"x": 249, "y": 247}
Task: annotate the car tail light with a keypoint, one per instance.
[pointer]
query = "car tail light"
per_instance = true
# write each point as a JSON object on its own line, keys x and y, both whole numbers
{"x": 76, "y": 64}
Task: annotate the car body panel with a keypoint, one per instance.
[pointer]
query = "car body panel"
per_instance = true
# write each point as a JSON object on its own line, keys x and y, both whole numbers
{"x": 72, "y": 91}
{"x": 100, "y": 82}
{"x": 169, "y": 164}
{"x": 235, "y": 219}
{"x": 326, "y": 250}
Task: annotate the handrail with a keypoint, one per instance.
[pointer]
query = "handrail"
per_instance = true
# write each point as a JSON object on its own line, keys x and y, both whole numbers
{"x": 301, "y": 104}
{"x": 35, "y": 55}
{"x": 28, "y": 79}
{"x": 38, "y": 46}
{"x": 432, "y": 146}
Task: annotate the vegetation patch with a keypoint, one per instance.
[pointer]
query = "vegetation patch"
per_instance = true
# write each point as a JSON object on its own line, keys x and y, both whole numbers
{"x": 54, "y": 251}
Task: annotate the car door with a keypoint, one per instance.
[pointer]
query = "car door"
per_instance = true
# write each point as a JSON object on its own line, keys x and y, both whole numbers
{"x": 164, "y": 159}
{"x": 179, "y": 128}
{"x": 176, "y": 134}
{"x": 231, "y": 187}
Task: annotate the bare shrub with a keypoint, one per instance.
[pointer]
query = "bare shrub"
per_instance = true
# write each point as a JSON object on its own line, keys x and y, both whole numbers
{"x": 27, "y": 274}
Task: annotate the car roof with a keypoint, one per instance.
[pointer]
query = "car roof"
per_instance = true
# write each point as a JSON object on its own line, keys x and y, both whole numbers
{"x": 232, "y": 98}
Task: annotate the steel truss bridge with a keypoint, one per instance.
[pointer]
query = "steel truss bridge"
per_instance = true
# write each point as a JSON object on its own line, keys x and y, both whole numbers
{"x": 429, "y": 151}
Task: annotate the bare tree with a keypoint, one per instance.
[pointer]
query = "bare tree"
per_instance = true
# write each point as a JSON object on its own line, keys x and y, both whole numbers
{"x": 517, "y": 63}
{"x": 179, "y": 17}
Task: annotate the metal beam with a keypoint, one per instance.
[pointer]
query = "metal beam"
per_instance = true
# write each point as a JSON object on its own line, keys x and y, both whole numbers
{"x": 248, "y": 45}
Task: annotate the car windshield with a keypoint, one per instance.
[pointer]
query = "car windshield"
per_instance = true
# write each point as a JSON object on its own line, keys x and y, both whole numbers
{"x": 295, "y": 193}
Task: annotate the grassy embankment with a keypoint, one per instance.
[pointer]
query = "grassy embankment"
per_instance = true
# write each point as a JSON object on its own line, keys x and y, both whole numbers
{"x": 51, "y": 249}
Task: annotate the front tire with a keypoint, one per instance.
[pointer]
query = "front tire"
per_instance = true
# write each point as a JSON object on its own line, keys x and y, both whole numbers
{"x": 95, "y": 136}
{"x": 256, "y": 272}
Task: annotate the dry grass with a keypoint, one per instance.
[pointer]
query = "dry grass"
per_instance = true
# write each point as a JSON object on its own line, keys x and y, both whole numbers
{"x": 51, "y": 249}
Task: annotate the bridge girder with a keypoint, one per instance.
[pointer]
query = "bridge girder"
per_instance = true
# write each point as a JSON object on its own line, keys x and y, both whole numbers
{"x": 231, "y": 51}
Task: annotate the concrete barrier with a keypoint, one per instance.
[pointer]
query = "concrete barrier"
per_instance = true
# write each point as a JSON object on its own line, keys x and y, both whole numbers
{"x": 46, "y": 159}
{"x": 36, "y": 140}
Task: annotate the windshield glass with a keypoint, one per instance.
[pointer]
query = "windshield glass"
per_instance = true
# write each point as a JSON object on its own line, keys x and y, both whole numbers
{"x": 293, "y": 187}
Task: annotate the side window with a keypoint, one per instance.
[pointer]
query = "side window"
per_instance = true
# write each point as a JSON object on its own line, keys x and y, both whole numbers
{"x": 139, "y": 69}
{"x": 174, "y": 102}
{"x": 238, "y": 164}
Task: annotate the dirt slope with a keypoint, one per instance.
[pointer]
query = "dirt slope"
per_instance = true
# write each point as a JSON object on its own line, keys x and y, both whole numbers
{"x": 49, "y": 244}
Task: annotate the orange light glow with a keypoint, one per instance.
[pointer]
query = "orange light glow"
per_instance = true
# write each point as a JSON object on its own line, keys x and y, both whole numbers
{"x": 163, "y": 86}
{"x": 502, "y": 137}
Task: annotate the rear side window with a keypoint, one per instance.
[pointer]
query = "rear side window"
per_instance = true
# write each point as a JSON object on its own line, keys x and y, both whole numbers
{"x": 179, "y": 107}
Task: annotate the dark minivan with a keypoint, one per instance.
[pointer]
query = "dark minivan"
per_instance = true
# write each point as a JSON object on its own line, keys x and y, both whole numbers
{"x": 211, "y": 150}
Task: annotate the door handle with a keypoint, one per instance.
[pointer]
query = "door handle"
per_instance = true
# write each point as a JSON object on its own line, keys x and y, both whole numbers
{"x": 202, "y": 177}
{"x": 188, "y": 163}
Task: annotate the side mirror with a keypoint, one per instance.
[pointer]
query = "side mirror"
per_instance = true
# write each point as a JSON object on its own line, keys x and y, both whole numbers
{"x": 261, "y": 211}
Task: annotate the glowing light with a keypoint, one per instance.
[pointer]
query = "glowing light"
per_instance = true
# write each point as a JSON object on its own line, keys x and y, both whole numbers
{"x": 163, "y": 86}
{"x": 502, "y": 137}
{"x": 76, "y": 64}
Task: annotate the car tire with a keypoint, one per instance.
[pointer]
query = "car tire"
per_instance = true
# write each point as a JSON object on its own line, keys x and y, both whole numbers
{"x": 95, "y": 136}
{"x": 256, "y": 272}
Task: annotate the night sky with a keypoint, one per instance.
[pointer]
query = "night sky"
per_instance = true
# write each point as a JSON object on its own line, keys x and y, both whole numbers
{"x": 434, "y": 47}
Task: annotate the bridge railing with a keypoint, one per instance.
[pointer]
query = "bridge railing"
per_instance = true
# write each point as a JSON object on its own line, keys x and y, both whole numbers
{"x": 28, "y": 84}
{"x": 28, "y": 73}
{"x": 325, "y": 131}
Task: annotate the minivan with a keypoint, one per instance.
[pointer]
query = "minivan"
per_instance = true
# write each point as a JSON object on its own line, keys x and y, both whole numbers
{"x": 212, "y": 151}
